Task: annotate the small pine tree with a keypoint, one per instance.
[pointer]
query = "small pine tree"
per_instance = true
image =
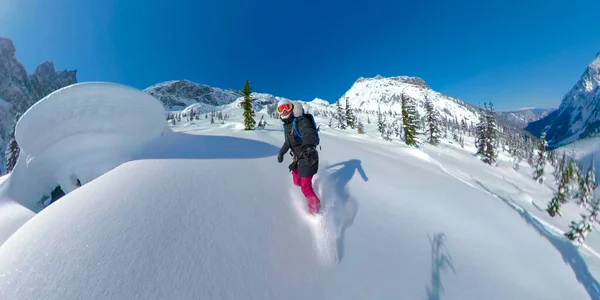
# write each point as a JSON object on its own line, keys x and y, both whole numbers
{"x": 380, "y": 123}
{"x": 560, "y": 168}
{"x": 249, "y": 121}
{"x": 580, "y": 229}
{"x": 540, "y": 162}
{"x": 432, "y": 123}
{"x": 12, "y": 150}
{"x": 349, "y": 115}
{"x": 573, "y": 174}
{"x": 360, "y": 128}
{"x": 340, "y": 114}
{"x": 560, "y": 197}
{"x": 330, "y": 122}
{"x": 490, "y": 136}
{"x": 480, "y": 134}
{"x": 409, "y": 121}
{"x": 587, "y": 185}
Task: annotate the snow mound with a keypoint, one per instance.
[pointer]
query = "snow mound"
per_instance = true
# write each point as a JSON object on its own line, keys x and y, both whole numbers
{"x": 78, "y": 133}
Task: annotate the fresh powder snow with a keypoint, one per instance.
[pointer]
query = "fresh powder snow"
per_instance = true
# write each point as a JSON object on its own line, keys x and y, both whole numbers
{"x": 204, "y": 211}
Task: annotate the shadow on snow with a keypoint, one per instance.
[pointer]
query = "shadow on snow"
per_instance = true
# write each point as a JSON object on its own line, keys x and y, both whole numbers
{"x": 177, "y": 145}
{"x": 336, "y": 198}
{"x": 566, "y": 248}
{"x": 440, "y": 261}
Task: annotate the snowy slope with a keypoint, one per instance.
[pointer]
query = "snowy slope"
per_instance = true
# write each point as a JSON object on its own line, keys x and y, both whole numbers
{"x": 578, "y": 115}
{"x": 210, "y": 214}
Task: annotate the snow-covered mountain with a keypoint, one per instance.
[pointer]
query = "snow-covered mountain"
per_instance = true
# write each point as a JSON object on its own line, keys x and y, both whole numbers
{"x": 19, "y": 90}
{"x": 578, "y": 115}
{"x": 179, "y": 94}
{"x": 372, "y": 94}
{"x": 522, "y": 117}
{"x": 206, "y": 212}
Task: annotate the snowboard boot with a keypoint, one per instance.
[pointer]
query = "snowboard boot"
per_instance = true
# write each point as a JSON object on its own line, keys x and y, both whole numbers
{"x": 314, "y": 205}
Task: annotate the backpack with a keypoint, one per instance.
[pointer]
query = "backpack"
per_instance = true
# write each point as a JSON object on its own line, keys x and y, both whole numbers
{"x": 314, "y": 124}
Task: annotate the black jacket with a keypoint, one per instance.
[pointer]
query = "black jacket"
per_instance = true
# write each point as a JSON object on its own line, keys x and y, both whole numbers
{"x": 309, "y": 137}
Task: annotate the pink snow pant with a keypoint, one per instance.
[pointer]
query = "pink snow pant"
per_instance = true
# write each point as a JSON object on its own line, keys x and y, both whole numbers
{"x": 305, "y": 184}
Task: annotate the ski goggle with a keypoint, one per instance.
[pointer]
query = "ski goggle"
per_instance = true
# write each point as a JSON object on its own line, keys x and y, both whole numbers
{"x": 284, "y": 108}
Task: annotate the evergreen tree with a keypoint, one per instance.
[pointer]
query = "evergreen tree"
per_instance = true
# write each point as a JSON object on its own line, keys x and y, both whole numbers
{"x": 12, "y": 149}
{"x": 490, "y": 136}
{"x": 552, "y": 158}
{"x": 360, "y": 128}
{"x": 480, "y": 134}
{"x": 432, "y": 123}
{"x": 249, "y": 121}
{"x": 330, "y": 122}
{"x": 560, "y": 168}
{"x": 573, "y": 175}
{"x": 349, "y": 116}
{"x": 380, "y": 123}
{"x": 540, "y": 162}
{"x": 409, "y": 121}
{"x": 580, "y": 229}
{"x": 587, "y": 185}
{"x": 561, "y": 195}
{"x": 340, "y": 115}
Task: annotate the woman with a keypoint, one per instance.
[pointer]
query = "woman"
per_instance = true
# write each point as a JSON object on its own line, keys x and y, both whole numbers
{"x": 301, "y": 138}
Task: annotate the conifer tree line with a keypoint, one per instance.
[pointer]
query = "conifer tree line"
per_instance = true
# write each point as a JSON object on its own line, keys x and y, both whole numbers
{"x": 175, "y": 117}
{"x": 573, "y": 186}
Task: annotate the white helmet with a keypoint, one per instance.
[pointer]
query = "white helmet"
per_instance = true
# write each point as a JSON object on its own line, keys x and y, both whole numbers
{"x": 284, "y": 108}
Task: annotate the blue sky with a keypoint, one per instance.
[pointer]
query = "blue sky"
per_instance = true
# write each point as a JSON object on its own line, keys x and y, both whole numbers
{"x": 516, "y": 54}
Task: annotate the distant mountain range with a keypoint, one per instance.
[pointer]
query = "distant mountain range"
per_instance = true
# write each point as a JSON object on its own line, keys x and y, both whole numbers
{"x": 522, "y": 117}
{"x": 366, "y": 94}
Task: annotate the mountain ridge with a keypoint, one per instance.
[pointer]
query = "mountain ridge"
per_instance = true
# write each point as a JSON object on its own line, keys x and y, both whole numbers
{"x": 578, "y": 115}
{"x": 523, "y": 116}
{"x": 19, "y": 90}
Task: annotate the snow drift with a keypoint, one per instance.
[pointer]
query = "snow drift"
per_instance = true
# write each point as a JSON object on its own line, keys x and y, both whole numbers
{"x": 76, "y": 134}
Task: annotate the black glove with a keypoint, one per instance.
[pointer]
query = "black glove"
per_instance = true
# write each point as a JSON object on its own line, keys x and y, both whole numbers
{"x": 310, "y": 155}
{"x": 280, "y": 157}
{"x": 293, "y": 165}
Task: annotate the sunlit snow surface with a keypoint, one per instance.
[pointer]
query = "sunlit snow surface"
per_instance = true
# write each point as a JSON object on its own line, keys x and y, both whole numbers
{"x": 206, "y": 212}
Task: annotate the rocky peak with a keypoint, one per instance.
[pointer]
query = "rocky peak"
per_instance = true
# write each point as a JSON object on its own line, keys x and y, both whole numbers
{"x": 7, "y": 48}
{"x": 182, "y": 93}
{"x": 401, "y": 79}
{"x": 44, "y": 70}
{"x": 20, "y": 90}
{"x": 578, "y": 116}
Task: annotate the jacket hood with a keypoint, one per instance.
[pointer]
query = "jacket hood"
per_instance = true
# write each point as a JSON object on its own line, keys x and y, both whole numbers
{"x": 298, "y": 109}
